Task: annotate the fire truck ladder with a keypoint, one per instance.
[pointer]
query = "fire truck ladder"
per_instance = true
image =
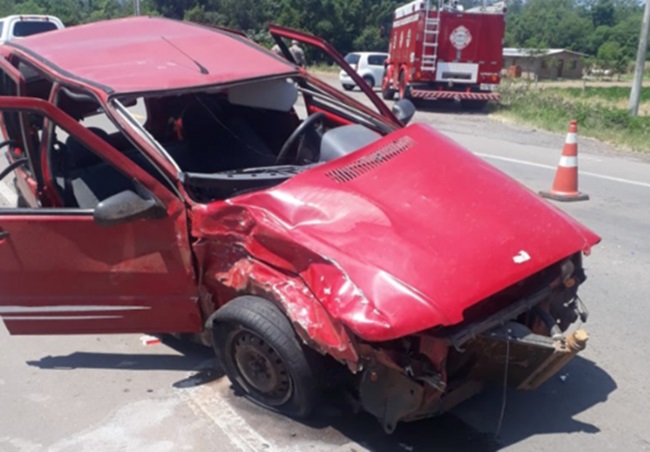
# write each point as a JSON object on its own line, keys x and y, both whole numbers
{"x": 430, "y": 39}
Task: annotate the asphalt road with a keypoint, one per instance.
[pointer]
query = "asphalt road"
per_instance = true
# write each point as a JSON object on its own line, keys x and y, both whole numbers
{"x": 95, "y": 393}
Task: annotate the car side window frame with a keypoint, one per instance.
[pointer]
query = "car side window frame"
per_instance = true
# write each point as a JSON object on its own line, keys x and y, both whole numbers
{"x": 13, "y": 74}
{"x": 53, "y": 116}
{"x": 381, "y": 58}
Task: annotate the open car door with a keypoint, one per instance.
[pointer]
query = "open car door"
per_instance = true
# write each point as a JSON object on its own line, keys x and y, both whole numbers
{"x": 122, "y": 266}
{"x": 17, "y": 135}
{"x": 279, "y": 32}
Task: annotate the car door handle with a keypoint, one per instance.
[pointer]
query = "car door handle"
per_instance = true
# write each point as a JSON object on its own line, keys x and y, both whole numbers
{"x": 4, "y": 234}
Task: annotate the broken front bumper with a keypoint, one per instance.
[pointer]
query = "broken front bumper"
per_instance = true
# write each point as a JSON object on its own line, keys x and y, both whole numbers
{"x": 511, "y": 353}
{"x": 529, "y": 359}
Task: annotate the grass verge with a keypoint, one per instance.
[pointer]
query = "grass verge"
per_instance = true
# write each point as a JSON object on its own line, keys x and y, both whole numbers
{"x": 601, "y": 112}
{"x": 321, "y": 67}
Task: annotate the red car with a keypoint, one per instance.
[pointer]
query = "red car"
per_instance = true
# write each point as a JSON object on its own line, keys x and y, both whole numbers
{"x": 174, "y": 178}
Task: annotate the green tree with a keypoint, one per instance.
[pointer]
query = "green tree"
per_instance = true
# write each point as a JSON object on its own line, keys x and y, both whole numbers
{"x": 550, "y": 23}
{"x": 603, "y": 12}
{"x": 29, "y": 7}
{"x": 6, "y": 7}
{"x": 611, "y": 56}
{"x": 175, "y": 8}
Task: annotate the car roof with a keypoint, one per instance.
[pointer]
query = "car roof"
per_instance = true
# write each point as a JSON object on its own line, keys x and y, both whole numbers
{"x": 143, "y": 54}
{"x": 368, "y": 53}
{"x": 28, "y": 17}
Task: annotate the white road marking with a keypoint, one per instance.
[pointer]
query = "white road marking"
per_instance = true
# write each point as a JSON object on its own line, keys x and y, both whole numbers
{"x": 582, "y": 173}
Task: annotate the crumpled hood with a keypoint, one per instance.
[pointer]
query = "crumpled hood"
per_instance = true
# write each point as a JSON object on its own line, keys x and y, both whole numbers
{"x": 413, "y": 230}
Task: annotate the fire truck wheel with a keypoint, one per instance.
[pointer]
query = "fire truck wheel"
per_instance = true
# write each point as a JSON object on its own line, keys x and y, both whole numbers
{"x": 404, "y": 89}
{"x": 348, "y": 87}
{"x": 369, "y": 81}
{"x": 387, "y": 92}
{"x": 262, "y": 356}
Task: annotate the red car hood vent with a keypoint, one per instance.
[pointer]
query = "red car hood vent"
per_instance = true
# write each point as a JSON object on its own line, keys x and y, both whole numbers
{"x": 372, "y": 161}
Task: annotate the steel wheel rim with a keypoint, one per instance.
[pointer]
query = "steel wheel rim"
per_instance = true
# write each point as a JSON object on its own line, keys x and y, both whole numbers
{"x": 261, "y": 368}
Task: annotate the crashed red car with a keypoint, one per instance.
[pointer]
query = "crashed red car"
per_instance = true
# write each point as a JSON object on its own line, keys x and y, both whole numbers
{"x": 173, "y": 178}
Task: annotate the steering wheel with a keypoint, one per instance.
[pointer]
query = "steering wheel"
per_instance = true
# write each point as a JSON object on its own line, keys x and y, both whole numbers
{"x": 293, "y": 138}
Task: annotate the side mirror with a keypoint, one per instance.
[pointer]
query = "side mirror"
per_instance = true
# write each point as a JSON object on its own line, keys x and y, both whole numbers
{"x": 127, "y": 206}
{"x": 404, "y": 110}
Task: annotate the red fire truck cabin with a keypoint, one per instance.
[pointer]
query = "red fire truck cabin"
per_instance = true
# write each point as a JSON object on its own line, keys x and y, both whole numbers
{"x": 439, "y": 51}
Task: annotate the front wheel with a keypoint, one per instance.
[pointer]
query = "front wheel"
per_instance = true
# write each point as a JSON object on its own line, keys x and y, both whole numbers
{"x": 348, "y": 87}
{"x": 263, "y": 357}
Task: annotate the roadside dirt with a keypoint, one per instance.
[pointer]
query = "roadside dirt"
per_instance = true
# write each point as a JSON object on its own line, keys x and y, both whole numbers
{"x": 595, "y": 83}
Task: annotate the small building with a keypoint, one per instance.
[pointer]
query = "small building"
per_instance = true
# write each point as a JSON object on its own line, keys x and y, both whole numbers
{"x": 543, "y": 64}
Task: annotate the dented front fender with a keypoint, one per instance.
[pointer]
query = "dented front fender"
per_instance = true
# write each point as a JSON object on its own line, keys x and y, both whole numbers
{"x": 237, "y": 256}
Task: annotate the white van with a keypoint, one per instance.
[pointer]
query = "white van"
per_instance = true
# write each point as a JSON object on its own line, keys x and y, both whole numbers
{"x": 19, "y": 26}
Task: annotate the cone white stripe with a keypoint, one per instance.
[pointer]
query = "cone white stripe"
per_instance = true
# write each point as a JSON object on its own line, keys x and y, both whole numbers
{"x": 571, "y": 138}
{"x": 568, "y": 162}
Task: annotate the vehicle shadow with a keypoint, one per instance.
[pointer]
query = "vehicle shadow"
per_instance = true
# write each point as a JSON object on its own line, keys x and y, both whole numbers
{"x": 191, "y": 356}
{"x": 451, "y": 107}
{"x": 551, "y": 409}
{"x": 472, "y": 426}
{"x": 446, "y": 433}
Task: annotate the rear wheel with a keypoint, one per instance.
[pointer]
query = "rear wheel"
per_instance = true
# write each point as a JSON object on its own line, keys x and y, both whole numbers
{"x": 348, "y": 87}
{"x": 404, "y": 92}
{"x": 387, "y": 92}
{"x": 369, "y": 81}
{"x": 262, "y": 356}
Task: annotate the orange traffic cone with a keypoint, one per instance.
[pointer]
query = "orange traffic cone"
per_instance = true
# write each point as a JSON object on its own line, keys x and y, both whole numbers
{"x": 565, "y": 185}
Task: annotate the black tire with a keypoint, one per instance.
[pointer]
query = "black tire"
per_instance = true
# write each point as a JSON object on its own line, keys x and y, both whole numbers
{"x": 404, "y": 89}
{"x": 348, "y": 87}
{"x": 369, "y": 81}
{"x": 388, "y": 94}
{"x": 263, "y": 358}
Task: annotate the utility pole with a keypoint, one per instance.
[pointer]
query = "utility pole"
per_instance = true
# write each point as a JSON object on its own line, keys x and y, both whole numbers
{"x": 635, "y": 93}
{"x": 136, "y": 7}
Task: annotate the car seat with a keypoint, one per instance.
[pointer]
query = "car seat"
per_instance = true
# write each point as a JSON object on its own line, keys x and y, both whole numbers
{"x": 87, "y": 179}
